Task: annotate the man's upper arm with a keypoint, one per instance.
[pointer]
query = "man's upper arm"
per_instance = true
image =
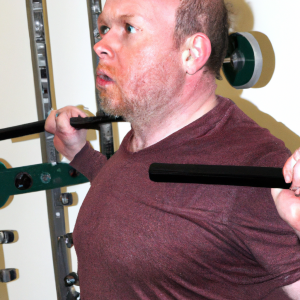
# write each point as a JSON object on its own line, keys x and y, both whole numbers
{"x": 293, "y": 290}
{"x": 88, "y": 161}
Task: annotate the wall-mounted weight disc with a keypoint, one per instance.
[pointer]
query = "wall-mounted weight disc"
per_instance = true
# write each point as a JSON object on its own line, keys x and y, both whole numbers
{"x": 4, "y": 197}
{"x": 8, "y": 275}
{"x": 2, "y": 166}
{"x": 6, "y": 237}
{"x": 243, "y": 63}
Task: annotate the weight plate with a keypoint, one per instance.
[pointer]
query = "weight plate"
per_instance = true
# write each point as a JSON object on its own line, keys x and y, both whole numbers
{"x": 5, "y": 197}
{"x": 246, "y": 61}
{"x": 2, "y": 166}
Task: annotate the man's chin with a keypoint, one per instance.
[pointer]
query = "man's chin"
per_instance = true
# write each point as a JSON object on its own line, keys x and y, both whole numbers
{"x": 118, "y": 106}
{"x": 111, "y": 107}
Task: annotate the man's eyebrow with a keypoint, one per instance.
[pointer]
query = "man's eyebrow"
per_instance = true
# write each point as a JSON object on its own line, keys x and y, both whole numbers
{"x": 101, "y": 19}
{"x": 128, "y": 16}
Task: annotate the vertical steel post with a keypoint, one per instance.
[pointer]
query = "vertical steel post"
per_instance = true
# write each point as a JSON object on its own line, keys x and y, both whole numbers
{"x": 36, "y": 25}
{"x": 106, "y": 130}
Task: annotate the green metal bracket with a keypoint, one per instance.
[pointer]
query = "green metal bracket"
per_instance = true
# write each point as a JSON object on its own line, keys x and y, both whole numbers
{"x": 36, "y": 178}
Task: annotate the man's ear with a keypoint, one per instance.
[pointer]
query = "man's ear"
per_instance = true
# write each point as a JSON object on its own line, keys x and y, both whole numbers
{"x": 196, "y": 52}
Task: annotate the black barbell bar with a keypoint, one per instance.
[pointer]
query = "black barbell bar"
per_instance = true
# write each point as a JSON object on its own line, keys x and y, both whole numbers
{"x": 267, "y": 177}
{"x": 37, "y": 127}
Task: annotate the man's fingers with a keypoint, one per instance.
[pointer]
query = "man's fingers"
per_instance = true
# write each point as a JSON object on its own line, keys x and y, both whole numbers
{"x": 296, "y": 155}
{"x": 67, "y": 140}
{"x": 50, "y": 124}
{"x": 72, "y": 112}
{"x": 60, "y": 119}
{"x": 288, "y": 207}
{"x": 291, "y": 171}
{"x": 296, "y": 178}
{"x": 77, "y": 112}
{"x": 288, "y": 169}
{"x": 296, "y": 169}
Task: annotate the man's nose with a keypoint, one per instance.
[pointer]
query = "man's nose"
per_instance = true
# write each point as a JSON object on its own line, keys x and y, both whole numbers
{"x": 106, "y": 47}
{"x": 102, "y": 50}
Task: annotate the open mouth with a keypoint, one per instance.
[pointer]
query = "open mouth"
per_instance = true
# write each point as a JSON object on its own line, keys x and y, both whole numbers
{"x": 105, "y": 77}
{"x": 102, "y": 79}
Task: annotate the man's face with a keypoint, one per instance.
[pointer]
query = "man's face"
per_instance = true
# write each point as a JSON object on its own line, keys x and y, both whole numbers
{"x": 140, "y": 70}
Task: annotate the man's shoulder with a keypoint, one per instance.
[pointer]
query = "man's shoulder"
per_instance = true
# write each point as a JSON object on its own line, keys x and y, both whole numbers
{"x": 235, "y": 139}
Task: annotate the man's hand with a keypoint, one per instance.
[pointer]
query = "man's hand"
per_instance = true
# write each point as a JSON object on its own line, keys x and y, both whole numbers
{"x": 67, "y": 140}
{"x": 288, "y": 201}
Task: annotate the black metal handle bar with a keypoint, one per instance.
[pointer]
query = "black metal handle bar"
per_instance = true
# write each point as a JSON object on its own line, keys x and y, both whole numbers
{"x": 37, "y": 127}
{"x": 267, "y": 177}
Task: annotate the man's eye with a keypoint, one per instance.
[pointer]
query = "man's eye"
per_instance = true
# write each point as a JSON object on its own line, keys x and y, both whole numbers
{"x": 104, "y": 29}
{"x": 130, "y": 28}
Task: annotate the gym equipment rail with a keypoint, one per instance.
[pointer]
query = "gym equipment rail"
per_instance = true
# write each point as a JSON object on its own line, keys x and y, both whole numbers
{"x": 38, "y": 43}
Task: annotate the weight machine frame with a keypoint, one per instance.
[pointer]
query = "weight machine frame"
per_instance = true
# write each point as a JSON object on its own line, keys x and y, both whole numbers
{"x": 37, "y": 26}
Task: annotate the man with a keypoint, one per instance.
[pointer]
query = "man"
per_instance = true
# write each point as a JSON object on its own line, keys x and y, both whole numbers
{"x": 136, "y": 239}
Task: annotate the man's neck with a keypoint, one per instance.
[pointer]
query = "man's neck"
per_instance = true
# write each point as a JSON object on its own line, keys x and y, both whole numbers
{"x": 196, "y": 103}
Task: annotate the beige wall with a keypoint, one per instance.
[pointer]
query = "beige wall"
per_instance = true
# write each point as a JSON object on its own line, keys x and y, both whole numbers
{"x": 275, "y": 106}
{"x": 27, "y": 214}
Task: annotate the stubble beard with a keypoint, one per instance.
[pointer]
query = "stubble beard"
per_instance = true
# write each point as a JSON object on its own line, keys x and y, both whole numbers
{"x": 146, "y": 96}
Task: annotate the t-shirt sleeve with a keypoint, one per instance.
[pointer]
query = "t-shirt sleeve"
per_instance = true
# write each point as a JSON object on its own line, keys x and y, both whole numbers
{"x": 270, "y": 241}
{"x": 88, "y": 161}
{"x": 255, "y": 221}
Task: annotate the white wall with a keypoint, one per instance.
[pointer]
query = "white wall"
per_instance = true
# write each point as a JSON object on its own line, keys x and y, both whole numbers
{"x": 27, "y": 214}
{"x": 74, "y": 85}
{"x": 274, "y": 106}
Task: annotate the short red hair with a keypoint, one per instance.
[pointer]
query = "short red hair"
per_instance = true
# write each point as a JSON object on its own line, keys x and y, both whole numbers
{"x": 209, "y": 17}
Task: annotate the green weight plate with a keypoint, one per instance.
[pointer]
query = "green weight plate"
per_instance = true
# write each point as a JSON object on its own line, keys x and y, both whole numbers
{"x": 246, "y": 61}
{"x": 3, "y": 198}
{"x": 36, "y": 178}
{"x": 2, "y": 166}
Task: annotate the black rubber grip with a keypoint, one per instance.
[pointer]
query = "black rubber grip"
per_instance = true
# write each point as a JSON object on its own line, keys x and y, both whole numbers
{"x": 267, "y": 177}
{"x": 93, "y": 122}
{"x": 37, "y": 127}
{"x": 22, "y": 130}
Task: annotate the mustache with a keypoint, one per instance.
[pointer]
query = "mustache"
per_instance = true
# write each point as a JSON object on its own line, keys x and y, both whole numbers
{"x": 105, "y": 70}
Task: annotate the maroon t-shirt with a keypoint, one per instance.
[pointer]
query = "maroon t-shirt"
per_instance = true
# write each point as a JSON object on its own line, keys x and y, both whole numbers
{"x": 138, "y": 239}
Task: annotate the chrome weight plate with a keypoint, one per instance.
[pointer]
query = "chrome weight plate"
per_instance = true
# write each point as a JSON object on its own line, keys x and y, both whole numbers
{"x": 243, "y": 63}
